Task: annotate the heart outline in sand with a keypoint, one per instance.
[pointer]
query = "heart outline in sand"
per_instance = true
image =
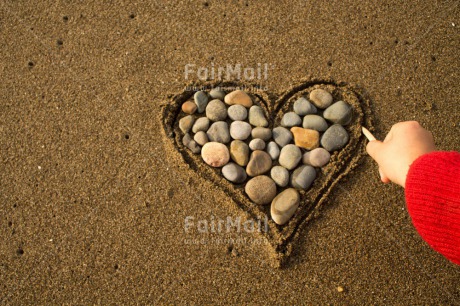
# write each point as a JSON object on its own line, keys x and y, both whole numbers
{"x": 281, "y": 238}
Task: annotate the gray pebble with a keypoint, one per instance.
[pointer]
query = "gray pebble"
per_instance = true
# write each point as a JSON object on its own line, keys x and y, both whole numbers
{"x": 282, "y": 136}
{"x": 280, "y": 175}
{"x": 201, "y": 100}
{"x": 320, "y": 98}
{"x": 201, "y": 124}
{"x": 291, "y": 119}
{"x": 335, "y": 137}
{"x": 339, "y": 112}
{"x": 237, "y": 112}
{"x": 290, "y": 156}
{"x": 240, "y": 130}
{"x": 284, "y": 206}
{"x": 216, "y": 110}
{"x": 317, "y": 157}
{"x": 257, "y": 144}
{"x": 257, "y": 116}
{"x": 303, "y": 177}
{"x": 263, "y": 133}
{"x": 186, "y": 139}
{"x": 186, "y": 123}
{"x": 273, "y": 150}
{"x": 303, "y": 107}
{"x": 194, "y": 147}
{"x": 201, "y": 138}
{"x": 218, "y": 132}
{"x": 234, "y": 173}
{"x": 216, "y": 93}
{"x": 314, "y": 122}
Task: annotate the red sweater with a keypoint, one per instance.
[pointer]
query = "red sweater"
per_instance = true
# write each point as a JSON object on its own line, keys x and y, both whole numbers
{"x": 433, "y": 201}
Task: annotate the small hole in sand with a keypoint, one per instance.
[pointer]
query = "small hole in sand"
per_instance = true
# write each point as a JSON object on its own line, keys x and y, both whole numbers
{"x": 15, "y": 205}
{"x": 115, "y": 267}
{"x": 229, "y": 248}
{"x": 126, "y": 136}
{"x": 20, "y": 251}
{"x": 30, "y": 64}
{"x": 10, "y": 224}
{"x": 65, "y": 18}
{"x": 59, "y": 42}
{"x": 433, "y": 58}
{"x": 132, "y": 16}
{"x": 329, "y": 63}
{"x": 371, "y": 43}
{"x": 206, "y": 4}
{"x": 225, "y": 15}
{"x": 396, "y": 41}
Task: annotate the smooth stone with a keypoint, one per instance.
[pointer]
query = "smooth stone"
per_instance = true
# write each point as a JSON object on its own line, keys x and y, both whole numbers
{"x": 303, "y": 177}
{"x": 291, "y": 119}
{"x": 201, "y": 100}
{"x": 239, "y": 152}
{"x": 238, "y": 97}
{"x": 201, "y": 138}
{"x": 315, "y": 122}
{"x": 305, "y": 138}
{"x": 189, "y": 107}
{"x": 257, "y": 144}
{"x": 201, "y": 124}
{"x": 240, "y": 130}
{"x": 303, "y": 107}
{"x": 186, "y": 123}
{"x": 273, "y": 150}
{"x": 218, "y": 132}
{"x": 261, "y": 189}
{"x": 234, "y": 173}
{"x": 186, "y": 139}
{"x": 321, "y": 98}
{"x": 216, "y": 93}
{"x": 216, "y": 110}
{"x": 282, "y": 136}
{"x": 290, "y": 156}
{"x": 340, "y": 112}
{"x": 259, "y": 163}
{"x": 284, "y": 205}
{"x": 215, "y": 154}
{"x": 257, "y": 116}
{"x": 280, "y": 176}
{"x": 237, "y": 112}
{"x": 194, "y": 147}
{"x": 316, "y": 158}
{"x": 335, "y": 138}
{"x": 263, "y": 133}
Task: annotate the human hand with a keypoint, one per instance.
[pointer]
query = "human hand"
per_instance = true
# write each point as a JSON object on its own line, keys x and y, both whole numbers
{"x": 405, "y": 142}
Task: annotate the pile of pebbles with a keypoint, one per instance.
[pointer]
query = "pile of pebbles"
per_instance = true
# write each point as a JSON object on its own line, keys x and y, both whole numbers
{"x": 231, "y": 132}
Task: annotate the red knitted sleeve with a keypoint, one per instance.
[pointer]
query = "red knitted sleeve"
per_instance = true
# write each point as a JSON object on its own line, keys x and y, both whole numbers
{"x": 433, "y": 201}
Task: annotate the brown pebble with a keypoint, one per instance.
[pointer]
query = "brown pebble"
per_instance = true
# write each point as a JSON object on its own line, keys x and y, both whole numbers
{"x": 259, "y": 163}
{"x": 238, "y": 97}
{"x": 321, "y": 98}
{"x": 239, "y": 152}
{"x": 261, "y": 189}
{"x": 189, "y": 107}
{"x": 305, "y": 138}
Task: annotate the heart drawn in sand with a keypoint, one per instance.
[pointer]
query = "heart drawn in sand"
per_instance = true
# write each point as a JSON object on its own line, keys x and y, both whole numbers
{"x": 274, "y": 155}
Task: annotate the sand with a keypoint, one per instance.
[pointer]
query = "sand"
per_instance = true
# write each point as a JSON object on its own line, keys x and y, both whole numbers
{"x": 93, "y": 204}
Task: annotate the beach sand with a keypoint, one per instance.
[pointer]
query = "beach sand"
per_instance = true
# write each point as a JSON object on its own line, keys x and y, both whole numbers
{"x": 93, "y": 207}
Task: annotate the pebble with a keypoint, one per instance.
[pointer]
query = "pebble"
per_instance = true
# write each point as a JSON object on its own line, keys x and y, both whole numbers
{"x": 314, "y": 122}
{"x": 257, "y": 116}
{"x": 263, "y": 133}
{"x": 335, "y": 137}
{"x": 240, "y": 130}
{"x": 284, "y": 205}
{"x": 290, "y": 156}
{"x": 321, "y": 98}
{"x": 186, "y": 139}
{"x": 257, "y": 144}
{"x": 303, "y": 177}
{"x": 201, "y": 138}
{"x": 234, "y": 173}
{"x": 259, "y": 163}
{"x": 273, "y": 150}
{"x": 201, "y": 100}
{"x": 339, "y": 112}
{"x": 303, "y": 107}
{"x": 238, "y": 97}
{"x": 261, "y": 189}
{"x": 189, "y": 107}
{"x": 216, "y": 93}
{"x": 218, "y": 132}
{"x": 239, "y": 152}
{"x": 280, "y": 176}
{"x": 291, "y": 119}
{"x": 216, "y": 110}
{"x": 201, "y": 124}
{"x": 215, "y": 154}
{"x": 186, "y": 123}
{"x": 237, "y": 112}
{"x": 282, "y": 136}
{"x": 194, "y": 147}
{"x": 316, "y": 158}
{"x": 305, "y": 138}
